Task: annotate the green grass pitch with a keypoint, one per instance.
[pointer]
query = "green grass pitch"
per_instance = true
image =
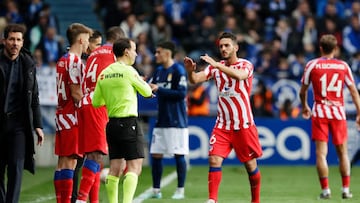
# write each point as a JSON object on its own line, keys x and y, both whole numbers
{"x": 289, "y": 184}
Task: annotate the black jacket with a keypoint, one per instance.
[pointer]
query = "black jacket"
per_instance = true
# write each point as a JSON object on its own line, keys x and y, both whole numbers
{"x": 31, "y": 100}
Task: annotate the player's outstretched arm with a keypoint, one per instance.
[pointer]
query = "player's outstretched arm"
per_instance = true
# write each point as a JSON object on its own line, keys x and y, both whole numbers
{"x": 190, "y": 67}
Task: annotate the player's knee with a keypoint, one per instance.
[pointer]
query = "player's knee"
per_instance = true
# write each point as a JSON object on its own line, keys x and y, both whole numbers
{"x": 215, "y": 161}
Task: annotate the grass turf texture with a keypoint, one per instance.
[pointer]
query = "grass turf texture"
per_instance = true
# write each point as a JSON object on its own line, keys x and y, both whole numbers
{"x": 290, "y": 184}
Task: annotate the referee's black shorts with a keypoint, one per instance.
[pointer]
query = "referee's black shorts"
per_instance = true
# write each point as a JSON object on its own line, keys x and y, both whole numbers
{"x": 125, "y": 138}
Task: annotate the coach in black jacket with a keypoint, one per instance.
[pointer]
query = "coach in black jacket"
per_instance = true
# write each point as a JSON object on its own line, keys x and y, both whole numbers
{"x": 19, "y": 112}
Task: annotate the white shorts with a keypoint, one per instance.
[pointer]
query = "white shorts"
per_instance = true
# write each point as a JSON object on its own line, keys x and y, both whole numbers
{"x": 170, "y": 141}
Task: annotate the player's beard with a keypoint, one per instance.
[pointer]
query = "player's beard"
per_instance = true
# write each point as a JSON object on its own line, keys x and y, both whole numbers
{"x": 225, "y": 55}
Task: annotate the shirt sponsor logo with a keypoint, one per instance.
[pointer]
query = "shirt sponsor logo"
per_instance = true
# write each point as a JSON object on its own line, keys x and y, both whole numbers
{"x": 114, "y": 75}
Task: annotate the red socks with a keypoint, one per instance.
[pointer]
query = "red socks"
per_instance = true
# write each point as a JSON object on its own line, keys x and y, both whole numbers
{"x": 63, "y": 182}
{"x": 324, "y": 182}
{"x": 346, "y": 181}
{"x": 89, "y": 174}
{"x": 94, "y": 192}
{"x": 214, "y": 179}
{"x": 255, "y": 185}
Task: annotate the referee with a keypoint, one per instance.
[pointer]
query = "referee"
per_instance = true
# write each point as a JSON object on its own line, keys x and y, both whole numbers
{"x": 117, "y": 89}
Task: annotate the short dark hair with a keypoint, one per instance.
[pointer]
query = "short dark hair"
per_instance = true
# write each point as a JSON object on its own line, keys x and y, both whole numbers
{"x": 228, "y": 35}
{"x": 169, "y": 45}
{"x": 114, "y": 33}
{"x": 120, "y": 45}
{"x": 14, "y": 28}
{"x": 96, "y": 34}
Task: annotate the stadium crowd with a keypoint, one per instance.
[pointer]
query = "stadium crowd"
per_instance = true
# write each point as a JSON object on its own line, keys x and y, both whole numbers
{"x": 277, "y": 36}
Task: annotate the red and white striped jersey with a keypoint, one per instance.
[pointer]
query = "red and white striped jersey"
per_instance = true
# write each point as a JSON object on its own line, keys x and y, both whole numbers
{"x": 68, "y": 71}
{"x": 98, "y": 60}
{"x": 328, "y": 77}
{"x": 233, "y": 110}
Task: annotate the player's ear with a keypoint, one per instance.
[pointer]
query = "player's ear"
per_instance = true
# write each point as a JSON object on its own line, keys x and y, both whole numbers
{"x": 126, "y": 52}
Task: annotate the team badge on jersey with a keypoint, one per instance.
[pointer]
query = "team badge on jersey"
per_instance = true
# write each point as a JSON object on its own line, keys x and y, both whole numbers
{"x": 74, "y": 72}
{"x": 169, "y": 77}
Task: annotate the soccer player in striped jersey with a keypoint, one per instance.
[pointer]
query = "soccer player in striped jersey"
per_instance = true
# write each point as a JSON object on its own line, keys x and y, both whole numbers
{"x": 328, "y": 77}
{"x": 68, "y": 78}
{"x": 234, "y": 127}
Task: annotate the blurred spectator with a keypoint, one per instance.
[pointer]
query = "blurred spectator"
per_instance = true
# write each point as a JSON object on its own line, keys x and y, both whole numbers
{"x": 144, "y": 59}
{"x": 227, "y": 11}
{"x": 231, "y": 25}
{"x": 207, "y": 7}
{"x": 287, "y": 111}
{"x": 115, "y": 12}
{"x": 38, "y": 57}
{"x": 198, "y": 100}
{"x": 351, "y": 35}
{"x": 289, "y": 37}
{"x": 132, "y": 27}
{"x": 262, "y": 100}
{"x": 142, "y": 10}
{"x": 263, "y": 62}
{"x": 310, "y": 36}
{"x": 283, "y": 69}
{"x": 50, "y": 46}
{"x": 252, "y": 22}
{"x": 322, "y": 6}
{"x": 354, "y": 9}
{"x": 3, "y": 24}
{"x": 254, "y": 5}
{"x": 355, "y": 63}
{"x": 297, "y": 63}
{"x": 300, "y": 14}
{"x": 203, "y": 39}
{"x": 37, "y": 32}
{"x": 252, "y": 30}
{"x": 177, "y": 11}
{"x": 331, "y": 12}
{"x": 34, "y": 9}
{"x": 270, "y": 58}
{"x": 273, "y": 10}
{"x": 331, "y": 27}
{"x": 194, "y": 19}
{"x": 160, "y": 30}
{"x": 53, "y": 20}
{"x": 12, "y": 12}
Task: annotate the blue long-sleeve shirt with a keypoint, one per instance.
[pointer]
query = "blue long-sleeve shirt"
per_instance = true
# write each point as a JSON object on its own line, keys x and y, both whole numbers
{"x": 171, "y": 96}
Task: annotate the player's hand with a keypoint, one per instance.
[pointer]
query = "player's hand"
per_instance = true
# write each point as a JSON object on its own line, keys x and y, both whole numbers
{"x": 306, "y": 112}
{"x": 40, "y": 136}
{"x": 209, "y": 60}
{"x": 358, "y": 121}
{"x": 189, "y": 64}
{"x": 154, "y": 87}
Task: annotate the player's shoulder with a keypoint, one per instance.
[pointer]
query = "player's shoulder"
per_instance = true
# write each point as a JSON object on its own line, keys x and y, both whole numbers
{"x": 103, "y": 50}
{"x": 179, "y": 68}
{"x": 62, "y": 61}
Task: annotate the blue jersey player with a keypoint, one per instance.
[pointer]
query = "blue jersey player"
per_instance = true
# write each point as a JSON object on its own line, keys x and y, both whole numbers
{"x": 170, "y": 135}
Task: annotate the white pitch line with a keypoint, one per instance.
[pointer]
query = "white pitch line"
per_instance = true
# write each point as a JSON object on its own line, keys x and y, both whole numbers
{"x": 42, "y": 199}
{"x": 164, "y": 182}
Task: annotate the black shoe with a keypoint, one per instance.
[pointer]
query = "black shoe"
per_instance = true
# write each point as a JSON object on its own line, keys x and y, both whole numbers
{"x": 325, "y": 196}
{"x": 347, "y": 195}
